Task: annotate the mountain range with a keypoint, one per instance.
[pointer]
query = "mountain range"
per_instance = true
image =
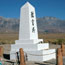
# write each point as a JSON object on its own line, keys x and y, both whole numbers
{"x": 44, "y": 24}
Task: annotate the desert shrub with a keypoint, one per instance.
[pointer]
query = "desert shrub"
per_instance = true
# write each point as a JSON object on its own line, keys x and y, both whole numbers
{"x": 54, "y": 42}
{"x": 6, "y": 42}
{"x": 59, "y": 41}
{"x": 2, "y": 43}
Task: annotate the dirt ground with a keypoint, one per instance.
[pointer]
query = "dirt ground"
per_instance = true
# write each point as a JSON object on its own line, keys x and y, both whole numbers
{"x": 7, "y": 48}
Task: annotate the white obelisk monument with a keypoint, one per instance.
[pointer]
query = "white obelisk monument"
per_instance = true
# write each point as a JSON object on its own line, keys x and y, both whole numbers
{"x": 28, "y": 38}
{"x": 29, "y": 26}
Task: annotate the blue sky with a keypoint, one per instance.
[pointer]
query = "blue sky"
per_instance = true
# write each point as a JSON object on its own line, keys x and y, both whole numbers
{"x": 54, "y": 8}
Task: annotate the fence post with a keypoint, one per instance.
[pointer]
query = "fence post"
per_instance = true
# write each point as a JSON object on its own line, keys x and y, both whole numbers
{"x": 59, "y": 58}
{"x": 22, "y": 60}
{"x": 62, "y": 49}
{"x": 1, "y": 51}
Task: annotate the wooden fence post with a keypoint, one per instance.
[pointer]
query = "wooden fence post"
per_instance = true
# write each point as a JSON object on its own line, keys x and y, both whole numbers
{"x": 22, "y": 60}
{"x": 59, "y": 57}
{"x": 62, "y": 49}
{"x": 1, "y": 51}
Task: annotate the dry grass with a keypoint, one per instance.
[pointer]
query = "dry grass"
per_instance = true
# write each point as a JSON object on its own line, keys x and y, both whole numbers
{"x": 52, "y": 37}
{"x": 10, "y": 38}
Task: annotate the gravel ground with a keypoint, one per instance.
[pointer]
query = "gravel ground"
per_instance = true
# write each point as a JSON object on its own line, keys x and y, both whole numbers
{"x": 51, "y": 62}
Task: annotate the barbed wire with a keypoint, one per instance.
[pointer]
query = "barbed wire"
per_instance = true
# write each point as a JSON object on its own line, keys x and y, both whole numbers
{"x": 39, "y": 55}
{"x": 35, "y": 54}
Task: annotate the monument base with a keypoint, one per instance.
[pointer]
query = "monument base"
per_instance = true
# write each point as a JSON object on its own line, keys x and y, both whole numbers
{"x": 43, "y": 55}
{"x": 35, "y": 52}
{"x": 35, "y": 41}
